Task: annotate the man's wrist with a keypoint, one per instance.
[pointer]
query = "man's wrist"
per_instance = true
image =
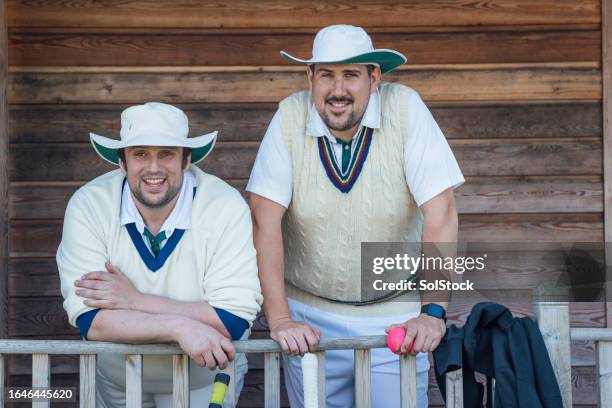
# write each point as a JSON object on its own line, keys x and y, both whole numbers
{"x": 139, "y": 302}
{"x": 178, "y": 325}
{"x": 278, "y": 320}
{"x": 148, "y": 303}
{"x": 434, "y": 310}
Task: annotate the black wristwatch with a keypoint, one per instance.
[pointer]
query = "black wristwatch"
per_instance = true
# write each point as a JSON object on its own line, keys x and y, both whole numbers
{"x": 434, "y": 310}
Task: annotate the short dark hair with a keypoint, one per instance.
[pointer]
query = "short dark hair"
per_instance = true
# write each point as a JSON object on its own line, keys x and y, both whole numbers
{"x": 370, "y": 68}
{"x": 186, "y": 153}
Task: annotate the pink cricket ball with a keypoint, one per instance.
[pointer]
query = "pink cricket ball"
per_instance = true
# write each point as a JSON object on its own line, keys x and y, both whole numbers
{"x": 395, "y": 338}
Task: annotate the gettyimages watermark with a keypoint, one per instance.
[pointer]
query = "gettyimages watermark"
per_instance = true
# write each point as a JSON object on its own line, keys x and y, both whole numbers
{"x": 412, "y": 264}
{"x": 528, "y": 272}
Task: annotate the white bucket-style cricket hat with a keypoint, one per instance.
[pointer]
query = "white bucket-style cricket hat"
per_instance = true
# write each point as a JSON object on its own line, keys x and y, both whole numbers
{"x": 347, "y": 44}
{"x": 153, "y": 124}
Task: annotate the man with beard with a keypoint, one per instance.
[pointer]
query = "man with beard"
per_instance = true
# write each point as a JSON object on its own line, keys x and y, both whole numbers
{"x": 159, "y": 251}
{"x": 352, "y": 160}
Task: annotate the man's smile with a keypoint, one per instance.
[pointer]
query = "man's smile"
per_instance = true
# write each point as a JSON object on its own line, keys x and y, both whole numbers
{"x": 338, "y": 106}
{"x": 154, "y": 183}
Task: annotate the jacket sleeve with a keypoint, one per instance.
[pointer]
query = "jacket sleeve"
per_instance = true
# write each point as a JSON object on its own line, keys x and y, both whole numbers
{"x": 545, "y": 379}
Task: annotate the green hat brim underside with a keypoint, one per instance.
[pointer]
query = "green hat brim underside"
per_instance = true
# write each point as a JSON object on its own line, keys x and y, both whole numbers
{"x": 197, "y": 153}
{"x": 386, "y": 60}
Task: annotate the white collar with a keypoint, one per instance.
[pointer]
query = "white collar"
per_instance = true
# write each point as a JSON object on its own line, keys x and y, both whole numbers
{"x": 180, "y": 217}
{"x": 371, "y": 118}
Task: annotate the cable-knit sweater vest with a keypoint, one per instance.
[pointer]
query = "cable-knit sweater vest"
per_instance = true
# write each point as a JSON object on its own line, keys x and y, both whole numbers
{"x": 323, "y": 227}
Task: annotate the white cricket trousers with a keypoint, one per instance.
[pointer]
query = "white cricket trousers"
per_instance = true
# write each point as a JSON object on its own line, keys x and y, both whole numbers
{"x": 339, "y": 365}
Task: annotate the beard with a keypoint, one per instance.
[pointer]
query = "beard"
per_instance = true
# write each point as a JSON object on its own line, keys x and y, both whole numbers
{"x": 351, "y": 121}
{"x": 170, "y": 194}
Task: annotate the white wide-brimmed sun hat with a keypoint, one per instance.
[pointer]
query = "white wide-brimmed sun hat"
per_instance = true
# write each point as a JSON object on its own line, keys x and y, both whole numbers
{"x": 347, "y": 44}
{"x": 154, "y": 124}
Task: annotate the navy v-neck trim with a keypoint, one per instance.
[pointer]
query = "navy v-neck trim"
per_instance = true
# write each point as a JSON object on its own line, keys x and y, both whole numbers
{"x": 152, "y": 262}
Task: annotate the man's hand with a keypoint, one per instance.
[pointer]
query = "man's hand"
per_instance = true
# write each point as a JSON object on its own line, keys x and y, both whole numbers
{"x": 425, "y": 330}
{"x": 205, "y": 345}
{"x": 108, "y": 290}
{"x": 295, "y": 337}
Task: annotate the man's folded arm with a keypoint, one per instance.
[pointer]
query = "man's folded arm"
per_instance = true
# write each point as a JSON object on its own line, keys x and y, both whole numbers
{"x": 205, "y": 345}
{"x": 231, "y": 285}
{"x": 83, "y": 250}
{"x": 130, "y": 326}
{"x": 226, "y": 323}
{"x": 84, "y": 321}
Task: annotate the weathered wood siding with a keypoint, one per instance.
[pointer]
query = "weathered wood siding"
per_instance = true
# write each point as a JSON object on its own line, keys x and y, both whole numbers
{"x": 515, "y": 85}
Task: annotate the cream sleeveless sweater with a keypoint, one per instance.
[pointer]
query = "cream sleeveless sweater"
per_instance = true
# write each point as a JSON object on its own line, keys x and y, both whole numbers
{"x": 323, "y": 228}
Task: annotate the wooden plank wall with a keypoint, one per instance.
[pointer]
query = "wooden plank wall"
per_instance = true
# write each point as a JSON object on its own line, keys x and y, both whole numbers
{"x": 516, "y": 86}
{"x": 607, "y": 134}
{"x": 4, "y": 178}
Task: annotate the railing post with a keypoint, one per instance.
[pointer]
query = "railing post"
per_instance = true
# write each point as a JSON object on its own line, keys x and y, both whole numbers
{"x": 321, "y": 379}
{"x": 604, "y": 373}
{"x": 408, "y": 379}
{"x": 454, "y": 389}
{"x": 272, "y": 380}
{"x": 2, "y": 380}
{"x": 362, "y": 378}
{"x": 87, "y": 381}
{"x": 180, "y": 381}
{"x": 133, "y": 380}
{"x": 40, "y": 376}
{"x": 553, "y": 320}
{"x": 310, "y": 380}
{"x": 230, "y": 393}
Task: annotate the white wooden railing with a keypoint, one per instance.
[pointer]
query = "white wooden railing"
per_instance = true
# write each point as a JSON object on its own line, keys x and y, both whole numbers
{"x": 553, "y": 319}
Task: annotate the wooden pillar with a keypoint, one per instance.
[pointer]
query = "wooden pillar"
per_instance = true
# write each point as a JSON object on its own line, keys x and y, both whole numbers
{"x": 363, "y": 374}
{"x": 4, "y": 146}
{"x": 554, "y": 322}
{"x": 604, "y": 373}
{"x": 606, "y": 69}
{"x": 133, "y": 381}
{"x": 272, "y": 380}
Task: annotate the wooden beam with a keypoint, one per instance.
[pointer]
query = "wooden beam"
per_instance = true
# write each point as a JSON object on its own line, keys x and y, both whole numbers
{"x": 363, "y": 376}
{"x": 489, "y": 194}
{"x": 606, "y": 43}
{"x": 482, "y": 83}
{"x": 321, "y": 379}
{"x": 3, "y": 375}
{"x": 234, "y": 160}
{"x": 408, "y": 381}
{"x": 299, "y": 14}
{"x": 180, "y": 380}
{"x": 41, "y": 376}
{"x": 38, "y": 238}
{"x": 454, "y": 389}
{"x": 150, "y": 49}
{"x": 133, "y": 380}
{"x": 247, "y": 122}
{"x": 604, "y": 373}
{"x": 272, "y": 380}
{"x": 554, "y": 322}
{"x": 4, "y": 148}
{"x": 87, "y": 381}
